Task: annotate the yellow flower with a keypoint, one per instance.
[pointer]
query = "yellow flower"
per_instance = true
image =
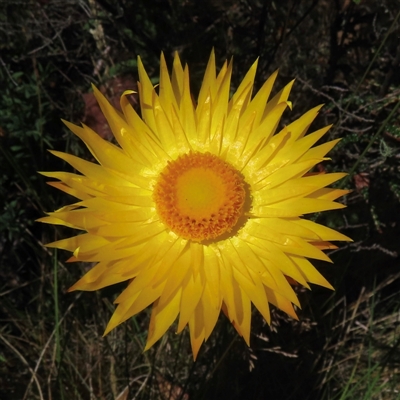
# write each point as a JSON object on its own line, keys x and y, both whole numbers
{"x": 199, "y": 207}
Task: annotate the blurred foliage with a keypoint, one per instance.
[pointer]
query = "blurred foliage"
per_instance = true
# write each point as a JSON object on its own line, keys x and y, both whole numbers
{"x": 343, "y": 53}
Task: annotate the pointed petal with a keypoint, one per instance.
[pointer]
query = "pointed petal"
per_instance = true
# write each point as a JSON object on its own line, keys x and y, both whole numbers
{"x": 162, "y": 317}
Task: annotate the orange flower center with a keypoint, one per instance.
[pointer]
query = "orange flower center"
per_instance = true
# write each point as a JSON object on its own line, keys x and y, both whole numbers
{"x": 199, "y": 196}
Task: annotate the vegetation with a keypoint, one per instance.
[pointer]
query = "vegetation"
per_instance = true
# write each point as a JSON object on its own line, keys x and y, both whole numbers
{"x": 343, "y": 53}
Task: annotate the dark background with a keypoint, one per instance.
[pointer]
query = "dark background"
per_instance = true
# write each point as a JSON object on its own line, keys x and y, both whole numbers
{"x": 344, "y": 53}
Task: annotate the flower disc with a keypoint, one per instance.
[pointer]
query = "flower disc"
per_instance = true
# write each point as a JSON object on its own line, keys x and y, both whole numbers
{"x": 199, "y": 196}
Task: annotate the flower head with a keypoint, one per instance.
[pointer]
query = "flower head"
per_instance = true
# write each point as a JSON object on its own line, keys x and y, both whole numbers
{"x": 199, "y": 207}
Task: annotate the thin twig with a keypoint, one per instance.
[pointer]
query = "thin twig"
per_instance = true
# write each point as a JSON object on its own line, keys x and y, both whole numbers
{"x": 3, "y": 64}
{"x": 22, "y": 358}
{"x": 38, "y": 362}
{"x": 331, "y": 99}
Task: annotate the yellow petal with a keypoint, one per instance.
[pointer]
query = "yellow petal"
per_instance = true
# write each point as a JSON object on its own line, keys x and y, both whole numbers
{"x": 281, "y": 302}
{"x": 177, "y": 78}
{"x": 192, "y": 290}
{"x": 208, "y": 85}
{"x": 196, "y": 329}
{"x": 162, "y": 317}
{"x": 310, "y": 272}
{"x": 212, "y": 307}
{"x": 258, "y": 103}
